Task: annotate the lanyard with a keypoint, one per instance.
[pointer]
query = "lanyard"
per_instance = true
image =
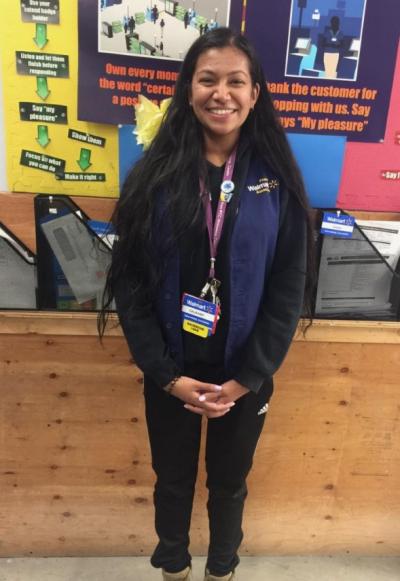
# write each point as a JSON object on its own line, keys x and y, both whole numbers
{"x": 215, "y": 230}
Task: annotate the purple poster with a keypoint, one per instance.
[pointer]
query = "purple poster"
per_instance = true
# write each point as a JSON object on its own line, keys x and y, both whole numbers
{"x": 128, "y": 48}
{"x": 329, "y": 63}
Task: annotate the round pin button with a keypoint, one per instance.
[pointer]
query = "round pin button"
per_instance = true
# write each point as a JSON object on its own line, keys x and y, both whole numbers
{"x": 227, "y": 186}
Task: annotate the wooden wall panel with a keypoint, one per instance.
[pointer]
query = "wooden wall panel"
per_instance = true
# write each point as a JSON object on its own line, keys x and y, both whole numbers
{"x": 327, "y": 476}
{"x": 75, "y": 470}
{"x": 74, "y": 466}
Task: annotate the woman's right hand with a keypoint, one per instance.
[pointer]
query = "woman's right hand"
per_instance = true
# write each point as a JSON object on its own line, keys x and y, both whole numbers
{"x": 190, "y": 391}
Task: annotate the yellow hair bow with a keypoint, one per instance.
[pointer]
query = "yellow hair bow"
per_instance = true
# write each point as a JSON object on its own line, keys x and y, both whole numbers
{"x": 148, "y": 119}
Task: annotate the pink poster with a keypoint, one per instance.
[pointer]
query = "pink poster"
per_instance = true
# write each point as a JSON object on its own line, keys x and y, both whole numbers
{"x": 371, "y": 171}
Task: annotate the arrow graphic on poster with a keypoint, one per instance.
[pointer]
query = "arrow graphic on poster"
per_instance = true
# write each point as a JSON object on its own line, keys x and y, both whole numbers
{"x": 43, "y": 135}
{"x": 84, "y": 160}
{"x": 42, "y": 89}
{"x": 41, "y": 35}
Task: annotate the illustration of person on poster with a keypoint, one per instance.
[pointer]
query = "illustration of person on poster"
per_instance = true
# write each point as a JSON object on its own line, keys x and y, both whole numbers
{"x": 332, "y": 44}
{"x": 325, "y": 41}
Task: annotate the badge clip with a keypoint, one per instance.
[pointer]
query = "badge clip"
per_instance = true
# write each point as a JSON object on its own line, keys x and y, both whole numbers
{"x": 227, "y": 188}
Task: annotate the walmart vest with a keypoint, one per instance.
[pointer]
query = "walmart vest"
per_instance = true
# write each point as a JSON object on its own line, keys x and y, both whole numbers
{"x": 252, "y": 248}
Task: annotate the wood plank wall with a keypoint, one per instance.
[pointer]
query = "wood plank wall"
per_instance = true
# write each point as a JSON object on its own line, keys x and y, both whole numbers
{"x": 75, "y": 471}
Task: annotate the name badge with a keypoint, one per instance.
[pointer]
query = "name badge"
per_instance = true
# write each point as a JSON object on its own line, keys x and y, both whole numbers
{"x": 339, "y": 226}
{"x": 199, "y": 316}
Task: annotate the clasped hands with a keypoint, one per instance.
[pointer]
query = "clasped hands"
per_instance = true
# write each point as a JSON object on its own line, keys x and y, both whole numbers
{"x": 207, "y": 399}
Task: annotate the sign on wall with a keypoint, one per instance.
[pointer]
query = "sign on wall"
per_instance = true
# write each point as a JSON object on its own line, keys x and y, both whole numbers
{"x": 128, "y": 49}
{"x": 329, "y": 64}
{"x": 48, "y": 149}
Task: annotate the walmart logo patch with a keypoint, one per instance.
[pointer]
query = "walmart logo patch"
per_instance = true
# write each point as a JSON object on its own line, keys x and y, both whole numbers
{"x": 264, "y": 186}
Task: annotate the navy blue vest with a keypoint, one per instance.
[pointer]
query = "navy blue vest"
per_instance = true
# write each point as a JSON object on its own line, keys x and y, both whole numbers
{"x": 252, "y": 248}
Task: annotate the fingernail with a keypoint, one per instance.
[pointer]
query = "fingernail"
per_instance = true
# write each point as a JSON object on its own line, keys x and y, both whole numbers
{"x": 202, "y": 398}
{"x": 232, "y": 404}
{"x": 218, "y": 387}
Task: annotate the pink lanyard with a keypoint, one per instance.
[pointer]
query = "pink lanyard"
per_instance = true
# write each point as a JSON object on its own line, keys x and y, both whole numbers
{"x": 215, "y": 230}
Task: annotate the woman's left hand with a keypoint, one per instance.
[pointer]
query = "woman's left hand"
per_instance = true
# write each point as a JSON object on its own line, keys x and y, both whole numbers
{"x": 231, "y": 391}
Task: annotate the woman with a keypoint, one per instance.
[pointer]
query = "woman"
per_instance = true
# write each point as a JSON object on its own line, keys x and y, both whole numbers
{"x": 209, "y": 316}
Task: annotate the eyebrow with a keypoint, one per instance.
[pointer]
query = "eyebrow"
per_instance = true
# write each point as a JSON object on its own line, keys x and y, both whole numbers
{"x": 212, "y": 72}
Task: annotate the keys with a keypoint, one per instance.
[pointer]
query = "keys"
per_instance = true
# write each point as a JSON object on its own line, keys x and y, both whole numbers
{"x": 214, "y": 290}
{"x": 214, "y": 285}
{"x": 211, "y": 287}
{"x": 205, "y": 289}
{"x": 215, "y": 282}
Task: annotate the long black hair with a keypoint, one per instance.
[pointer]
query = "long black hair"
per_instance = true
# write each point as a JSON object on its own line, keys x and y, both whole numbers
{"x": 175, "y": 161}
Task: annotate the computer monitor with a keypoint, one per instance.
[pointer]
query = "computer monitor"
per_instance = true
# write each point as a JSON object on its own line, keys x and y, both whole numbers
{"x": 355, "y": 45}
{"x": 303, "y": 45}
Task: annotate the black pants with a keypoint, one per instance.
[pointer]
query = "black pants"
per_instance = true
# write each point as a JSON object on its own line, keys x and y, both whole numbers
{"x": 174, "y": 434}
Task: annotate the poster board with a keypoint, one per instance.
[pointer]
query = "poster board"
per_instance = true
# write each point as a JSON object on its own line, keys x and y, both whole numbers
{"x": 342, "y": 165}
{"x": 47, "y": 148}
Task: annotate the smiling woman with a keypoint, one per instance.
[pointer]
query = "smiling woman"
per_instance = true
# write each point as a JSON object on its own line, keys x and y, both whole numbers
{"x": 211, "y": 271}
{"x": 222, "y": 95}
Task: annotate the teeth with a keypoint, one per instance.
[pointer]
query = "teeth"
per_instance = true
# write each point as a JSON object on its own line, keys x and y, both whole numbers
{"x": 221, "y": 111}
